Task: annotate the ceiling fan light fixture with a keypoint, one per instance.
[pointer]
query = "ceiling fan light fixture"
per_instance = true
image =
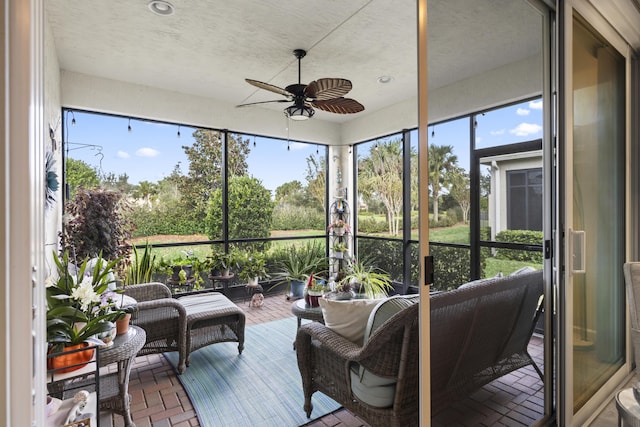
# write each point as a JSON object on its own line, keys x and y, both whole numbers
{"x": 299, "y": 113}
{"x": 161, "y": 7}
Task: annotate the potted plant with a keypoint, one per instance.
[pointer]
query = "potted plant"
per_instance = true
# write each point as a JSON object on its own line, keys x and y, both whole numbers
{"x": 218, "y": 264}
{"x": 315, "y": 291}
{"x": 339, "y": 249}
{"x": 296, "y": 265}
{"x": 181, "y": 269}
{"x": 81, "y": 308}
{"x": 338, "y": 227}
{"x": 343, "y": 291}
{"x": 253, "y": 268}
{"x": 142, "y": 267}
{"x": 365, "y": 280}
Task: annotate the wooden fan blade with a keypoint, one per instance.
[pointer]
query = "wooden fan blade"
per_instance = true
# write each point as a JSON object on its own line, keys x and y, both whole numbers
{"x": 269, "y": 87}
{"x": 325, "y": 89}
{"x": 339, "y": 106}
{"x": 262, "y": 102}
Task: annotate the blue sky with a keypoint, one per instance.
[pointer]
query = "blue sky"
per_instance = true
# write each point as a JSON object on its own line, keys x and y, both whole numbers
{"x": 151, "y": 150}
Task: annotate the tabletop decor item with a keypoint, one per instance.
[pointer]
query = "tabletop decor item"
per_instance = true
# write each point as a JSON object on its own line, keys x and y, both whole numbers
{"x": 81, "y": 308}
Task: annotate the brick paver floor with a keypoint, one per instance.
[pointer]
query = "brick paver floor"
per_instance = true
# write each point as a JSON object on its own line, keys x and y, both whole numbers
{"x": 159, "y": 400}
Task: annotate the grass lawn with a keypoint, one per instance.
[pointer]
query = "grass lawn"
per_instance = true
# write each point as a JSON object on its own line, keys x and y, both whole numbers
{"x": 456, "y": 234}
{"x": 495, "y": 266}
{"x": 201, "y": 251}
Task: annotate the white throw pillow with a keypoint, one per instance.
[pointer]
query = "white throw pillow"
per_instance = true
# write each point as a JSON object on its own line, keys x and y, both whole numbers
{"x": 347, "y": 318}
{"x": 370, "y": 388}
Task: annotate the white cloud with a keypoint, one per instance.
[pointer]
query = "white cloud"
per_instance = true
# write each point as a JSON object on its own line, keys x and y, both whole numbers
{"x": 147, "y": 152}
{"x": 525, "y": 129}
{"x": 522, "y": 112}
{"x": 536, "y": 105}
{"x": 122, "y": 155}
{"x": 497, "y": 132}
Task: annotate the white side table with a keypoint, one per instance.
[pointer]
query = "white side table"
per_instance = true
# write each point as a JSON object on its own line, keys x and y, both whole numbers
{"x": 628, "y": 408}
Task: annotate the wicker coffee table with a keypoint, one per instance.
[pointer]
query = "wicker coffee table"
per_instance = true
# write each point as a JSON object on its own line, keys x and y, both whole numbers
{"x": 301, "y": 310}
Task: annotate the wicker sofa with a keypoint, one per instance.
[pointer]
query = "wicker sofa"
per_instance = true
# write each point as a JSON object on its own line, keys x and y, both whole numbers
{"x": 478, "y": 333}
{"x": 184, "y": 324}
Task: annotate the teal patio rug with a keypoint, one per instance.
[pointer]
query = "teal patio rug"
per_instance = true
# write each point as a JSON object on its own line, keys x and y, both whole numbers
{"x": 261, "y": 387}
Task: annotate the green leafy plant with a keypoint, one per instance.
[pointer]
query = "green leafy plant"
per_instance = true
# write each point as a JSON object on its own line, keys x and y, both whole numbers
{"x": 339, "y": 247}
{"x": 183, "y": 268}
{"x": 80, "y": 301}
{"x": 337, "y": 225}
{"x": 297, "y": 263}
{"x": 367, "y": 279}
{"x": 218, "y": 263}
{"x": 253, "y": 265}
{"x": 142, "y": 267}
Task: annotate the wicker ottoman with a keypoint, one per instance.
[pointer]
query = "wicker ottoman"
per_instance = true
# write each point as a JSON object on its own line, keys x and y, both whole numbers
{"x": 211, "y": 318}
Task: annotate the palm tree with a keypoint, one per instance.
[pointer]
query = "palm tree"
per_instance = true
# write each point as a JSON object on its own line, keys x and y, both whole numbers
{"x": 145, "y": 190}
{"x": 441, "y": 162}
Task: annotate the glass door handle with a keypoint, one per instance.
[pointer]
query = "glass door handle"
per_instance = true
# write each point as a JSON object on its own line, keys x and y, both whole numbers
{"x": 577, "y": 251}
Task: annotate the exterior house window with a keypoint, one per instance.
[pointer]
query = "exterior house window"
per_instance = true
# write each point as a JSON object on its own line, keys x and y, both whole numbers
{"x": 524, "y": 199}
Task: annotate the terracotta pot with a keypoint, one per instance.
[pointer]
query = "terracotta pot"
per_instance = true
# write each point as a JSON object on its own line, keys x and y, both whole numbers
{"x": 122, "y": 324}
{"x": 69, "y": 362}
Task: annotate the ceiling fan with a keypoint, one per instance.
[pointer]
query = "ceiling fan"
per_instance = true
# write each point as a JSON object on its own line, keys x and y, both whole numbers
{"x": 324, "y": 94}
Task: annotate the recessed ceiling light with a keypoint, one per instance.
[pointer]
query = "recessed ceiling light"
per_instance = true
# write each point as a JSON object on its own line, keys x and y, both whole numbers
{"x": 161, "y": 7}
{"x": 385, "y": 79}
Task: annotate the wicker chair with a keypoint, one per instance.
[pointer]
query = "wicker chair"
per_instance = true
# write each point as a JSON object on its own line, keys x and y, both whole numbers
{"x": 325, "y": 360}
{"x": 184, "y": 324}
{"x": 163, "y": 318}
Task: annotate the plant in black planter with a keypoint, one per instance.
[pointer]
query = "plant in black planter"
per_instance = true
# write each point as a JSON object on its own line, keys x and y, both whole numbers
{"x": 218, "y": 264}
{"x": 183, "y": 270}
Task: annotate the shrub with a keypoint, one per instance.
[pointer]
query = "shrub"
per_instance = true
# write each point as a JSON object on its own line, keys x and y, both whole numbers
{"x": 97, "y": 222}
{"x": 250, "y": 211}
{"x": 385, "y": 255}
{"x": 527, "y": 237}
{"x": 292, "y": 217}
{"x": 370, "y": 225}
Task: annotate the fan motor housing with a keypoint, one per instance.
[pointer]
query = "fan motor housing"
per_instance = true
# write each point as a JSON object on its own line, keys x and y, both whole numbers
{"x": 296, "y": 89}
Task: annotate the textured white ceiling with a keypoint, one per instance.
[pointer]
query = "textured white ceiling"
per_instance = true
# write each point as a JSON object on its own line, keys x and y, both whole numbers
{"x": 207, "y": 48}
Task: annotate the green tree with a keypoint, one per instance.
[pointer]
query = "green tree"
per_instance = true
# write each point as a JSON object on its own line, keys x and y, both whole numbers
{"x": 290, "y": 192}
{"x": 206, "y": 162}
{"x": 380, "y": 177}
{"x": 250, "y": 211}
{"x": 316, "y": 178}
{"x": 80, "y": 174}
{"x": 119, "y": 182}
{"x": 441, "y": 162}
{"x": 460, "y": 191}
